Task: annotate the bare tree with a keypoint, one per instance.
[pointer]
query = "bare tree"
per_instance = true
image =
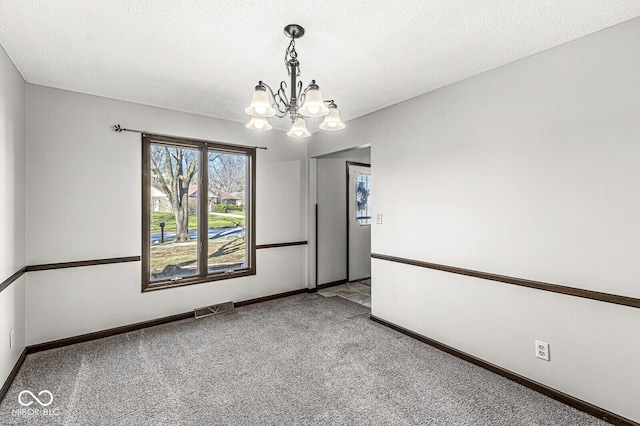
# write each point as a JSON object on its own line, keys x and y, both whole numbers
{"x": 173, "y": 169}
{"x": 227, "y": 172}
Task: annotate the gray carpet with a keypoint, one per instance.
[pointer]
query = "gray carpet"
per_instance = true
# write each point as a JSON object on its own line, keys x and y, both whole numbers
{"x": 300, "y": 360}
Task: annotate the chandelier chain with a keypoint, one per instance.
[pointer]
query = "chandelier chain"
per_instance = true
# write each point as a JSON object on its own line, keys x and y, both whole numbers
{"x": 291, "y": 55}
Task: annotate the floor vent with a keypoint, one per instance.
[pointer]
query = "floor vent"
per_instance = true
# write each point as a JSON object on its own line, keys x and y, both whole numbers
{"x": 213, "y": 309}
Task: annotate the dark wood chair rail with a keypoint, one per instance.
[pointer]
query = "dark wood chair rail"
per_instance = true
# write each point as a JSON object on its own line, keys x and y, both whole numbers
{"x": 555, "y": 288}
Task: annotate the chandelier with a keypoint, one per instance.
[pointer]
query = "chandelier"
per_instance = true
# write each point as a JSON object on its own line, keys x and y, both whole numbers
{"x": 300, "y": 104}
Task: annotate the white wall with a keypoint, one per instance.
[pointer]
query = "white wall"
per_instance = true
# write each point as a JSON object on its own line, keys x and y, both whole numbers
{"x": 530, "y": 170}
{"x": 332, "y": 211}
{"x": 12, "y": 211}
{"x": 84, "y": 197}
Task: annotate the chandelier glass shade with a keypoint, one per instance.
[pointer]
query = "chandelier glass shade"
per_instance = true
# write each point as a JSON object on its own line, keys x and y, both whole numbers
{"x": 258, "y": 123}
{"x": 299, "y": 104}
{"x": 260, "y": 105}
{"x": 313, "y": 103}
{"x": 299, "y": 129}
{"x": 332, "y": 119}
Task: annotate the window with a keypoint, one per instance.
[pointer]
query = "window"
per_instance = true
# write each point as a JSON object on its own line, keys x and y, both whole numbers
{"x": 363, "y": 199}
{"x": 198, "y": 211}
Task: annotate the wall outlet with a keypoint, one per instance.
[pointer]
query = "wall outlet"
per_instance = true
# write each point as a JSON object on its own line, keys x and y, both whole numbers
{"x": 11, "y": 341}
{"x": 379, "y": 218}
{"x": 542, "y": 350}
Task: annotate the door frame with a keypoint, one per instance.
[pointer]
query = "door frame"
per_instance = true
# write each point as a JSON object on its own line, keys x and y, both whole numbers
{"x": 350, "y": 163}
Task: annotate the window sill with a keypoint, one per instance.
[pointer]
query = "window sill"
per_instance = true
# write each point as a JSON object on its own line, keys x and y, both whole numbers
{"x": 161, "y": 285}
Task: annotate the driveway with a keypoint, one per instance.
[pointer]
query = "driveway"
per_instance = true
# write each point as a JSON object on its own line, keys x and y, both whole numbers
{"x": 193, "y": 234}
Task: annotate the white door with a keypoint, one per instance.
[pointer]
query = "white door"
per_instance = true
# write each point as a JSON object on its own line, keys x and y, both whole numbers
{"x": 359, "y": 220}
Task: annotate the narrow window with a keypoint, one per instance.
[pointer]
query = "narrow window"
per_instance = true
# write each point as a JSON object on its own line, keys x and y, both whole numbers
{"x": 198, "y": 211}
{"x": 363, "y": 199}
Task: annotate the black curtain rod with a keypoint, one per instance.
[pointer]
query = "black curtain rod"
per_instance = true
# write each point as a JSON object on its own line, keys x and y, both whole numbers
{"x": 119, "y": 129}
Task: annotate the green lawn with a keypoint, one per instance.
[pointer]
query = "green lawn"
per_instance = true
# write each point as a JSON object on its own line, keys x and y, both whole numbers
{"x": 222, "y": 251}
{"x": 215, "y": 221}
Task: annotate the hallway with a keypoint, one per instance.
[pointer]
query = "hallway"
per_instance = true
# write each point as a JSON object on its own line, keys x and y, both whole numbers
{"x": 356, "y": 291}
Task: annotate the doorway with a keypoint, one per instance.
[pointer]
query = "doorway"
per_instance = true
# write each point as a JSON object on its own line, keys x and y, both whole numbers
{"x": 342, "y": 259}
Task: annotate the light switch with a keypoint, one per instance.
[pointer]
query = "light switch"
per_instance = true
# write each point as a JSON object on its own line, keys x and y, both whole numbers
{"x": 379, "y": 218}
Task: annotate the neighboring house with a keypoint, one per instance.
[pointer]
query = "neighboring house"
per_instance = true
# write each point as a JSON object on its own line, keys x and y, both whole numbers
{"x": 217, "y": 196}
{"x": 236, "y": 198}
{"x": 160, "y": 202}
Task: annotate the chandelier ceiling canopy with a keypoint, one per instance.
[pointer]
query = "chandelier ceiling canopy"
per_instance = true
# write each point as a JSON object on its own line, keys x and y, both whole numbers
{"x": 299, "y": 104}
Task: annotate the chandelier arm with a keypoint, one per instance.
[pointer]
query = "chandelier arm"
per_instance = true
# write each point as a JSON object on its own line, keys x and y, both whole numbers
{"x": 282, "y": 95}
{"x": 282, "y": 106}
{"x": 301, "y": 94}
{"x": 275, "y": 98}
{"x": 262, "y": 83}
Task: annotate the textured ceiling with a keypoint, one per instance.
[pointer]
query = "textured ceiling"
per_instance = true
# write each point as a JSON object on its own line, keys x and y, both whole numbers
{"x": 205, "y": 57}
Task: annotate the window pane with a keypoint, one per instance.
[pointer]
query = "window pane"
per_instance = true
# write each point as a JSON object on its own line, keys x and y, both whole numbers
{"x": 174, "y": 212}
{"x": 227, "y": 207}
{"x": 363, "y": 199}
